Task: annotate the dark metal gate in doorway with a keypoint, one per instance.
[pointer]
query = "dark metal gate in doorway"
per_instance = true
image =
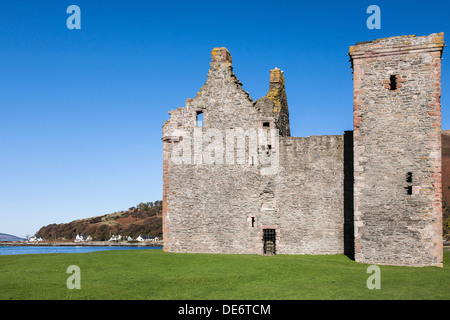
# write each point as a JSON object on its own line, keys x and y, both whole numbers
{"x": 269, "y": 237}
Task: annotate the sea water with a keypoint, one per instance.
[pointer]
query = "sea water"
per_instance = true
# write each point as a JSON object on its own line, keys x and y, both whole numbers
{"x": 11, "y": 250}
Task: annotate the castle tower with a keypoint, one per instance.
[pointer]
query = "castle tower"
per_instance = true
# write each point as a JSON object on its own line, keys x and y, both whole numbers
{"x": 274, "y": 105}
{"x": 397, "y": 150}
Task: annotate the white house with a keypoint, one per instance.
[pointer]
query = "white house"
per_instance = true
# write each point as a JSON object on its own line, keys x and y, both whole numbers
{"x": 82, "y": 238}
{"x": 35, "y": 239}
{"x": 115, "y": 238}
{"x": 146, "y": 238}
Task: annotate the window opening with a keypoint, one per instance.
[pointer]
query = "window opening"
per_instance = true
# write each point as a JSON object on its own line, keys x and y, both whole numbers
{"x": 409, "y": 177}
{"x": 409, "y": 190}
{"x": 199, "y": 119}
{"x": 393, "y": 84}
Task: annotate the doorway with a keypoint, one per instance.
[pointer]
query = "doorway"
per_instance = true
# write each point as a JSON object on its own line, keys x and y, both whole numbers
{"x": 269, "y": 236}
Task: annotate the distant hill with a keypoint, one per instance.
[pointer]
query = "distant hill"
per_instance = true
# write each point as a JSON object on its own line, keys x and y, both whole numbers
{"x": 9, "y": 237}
{"x": 144, "y": 219}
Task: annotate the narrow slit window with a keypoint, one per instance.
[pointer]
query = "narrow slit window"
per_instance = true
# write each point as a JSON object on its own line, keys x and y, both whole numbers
{"x": 199, "y": 119}
{"x": 409, "y": 177}
{"x": 393, "y": 82}
{"x": 253, "y": 222}
{"x": 409, "y": 190}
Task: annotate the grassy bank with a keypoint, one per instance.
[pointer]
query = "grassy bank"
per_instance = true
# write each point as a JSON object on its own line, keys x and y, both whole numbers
{"x": 152, "y": 274}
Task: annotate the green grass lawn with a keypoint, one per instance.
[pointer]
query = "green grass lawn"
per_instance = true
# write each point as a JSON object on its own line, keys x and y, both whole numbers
{"x": 152, "y": 274}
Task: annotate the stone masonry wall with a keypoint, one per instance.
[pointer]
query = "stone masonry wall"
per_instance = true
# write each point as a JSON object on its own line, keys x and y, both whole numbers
{"x": 212, "y": 206}
{"x": 397, "y": 150}
{"x": 310, "y": 195}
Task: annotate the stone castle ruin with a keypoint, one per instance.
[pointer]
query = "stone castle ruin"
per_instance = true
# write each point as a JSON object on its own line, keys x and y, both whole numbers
{"x": 236, "y": 181}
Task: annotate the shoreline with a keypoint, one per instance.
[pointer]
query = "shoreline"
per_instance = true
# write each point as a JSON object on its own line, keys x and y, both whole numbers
{"x": 84, "y": 244}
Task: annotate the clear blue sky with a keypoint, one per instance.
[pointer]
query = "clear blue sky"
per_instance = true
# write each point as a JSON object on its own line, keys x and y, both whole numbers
{"x": 81, "y": 110}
